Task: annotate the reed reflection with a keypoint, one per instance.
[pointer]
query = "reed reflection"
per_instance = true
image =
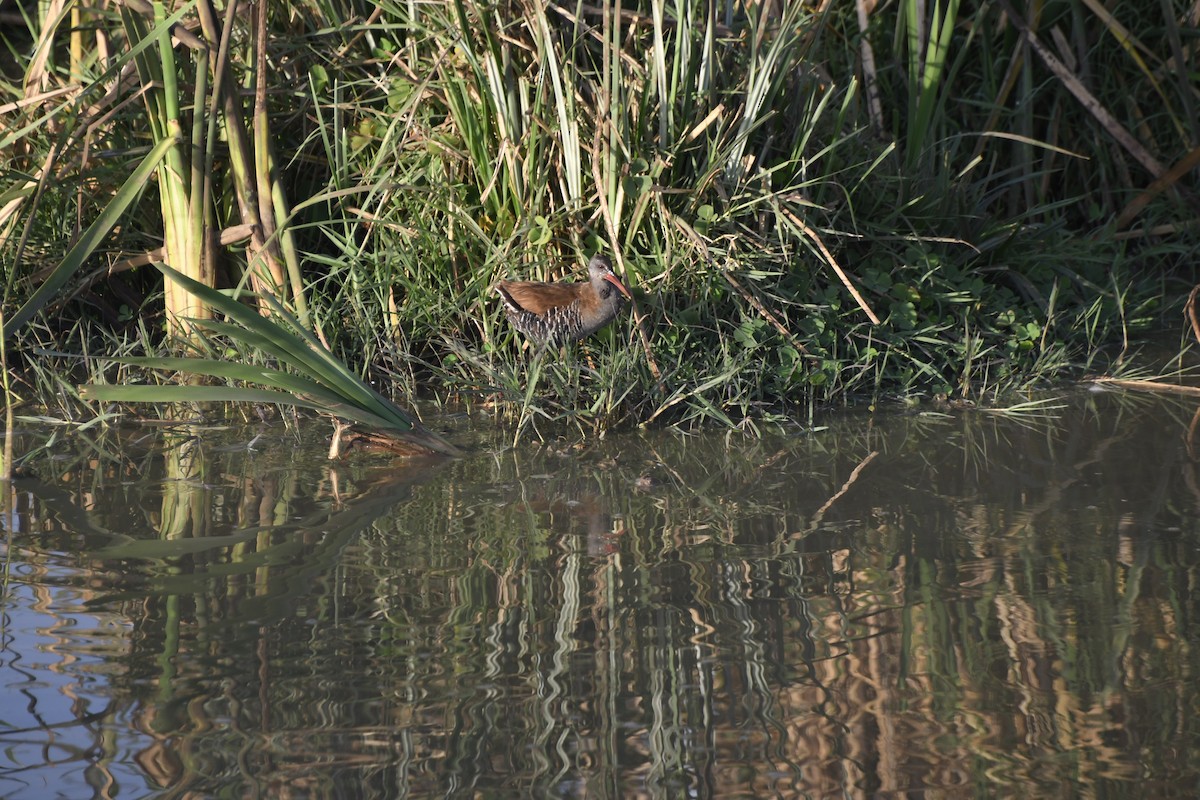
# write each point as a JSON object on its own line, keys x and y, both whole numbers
{"x": 921, "y": 603}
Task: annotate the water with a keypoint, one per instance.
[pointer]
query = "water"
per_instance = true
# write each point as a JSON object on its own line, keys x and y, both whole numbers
{"x": 954, "y": 605}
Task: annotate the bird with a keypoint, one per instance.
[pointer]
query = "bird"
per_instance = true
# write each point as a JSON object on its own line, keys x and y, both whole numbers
{"x": 558, "y": 313}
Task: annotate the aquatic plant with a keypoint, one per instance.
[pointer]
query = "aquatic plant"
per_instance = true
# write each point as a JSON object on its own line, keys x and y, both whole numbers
{"x": 316, "y": 380}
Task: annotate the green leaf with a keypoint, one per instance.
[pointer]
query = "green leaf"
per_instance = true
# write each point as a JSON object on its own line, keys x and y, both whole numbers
{"x": 324, "y": 384}
{"x": 294, "y": 387}
{"x": 293, "y": 346}
{"x": 319, "y": 78}
{"x": 539, "y": 232}
{"x": 173, "y": 393}
{"x": 636, "y": 185}
{"x": 91, "y": 237}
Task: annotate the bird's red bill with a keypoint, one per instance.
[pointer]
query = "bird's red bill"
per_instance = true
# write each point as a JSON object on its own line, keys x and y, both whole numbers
{"x": 615, "y": 281}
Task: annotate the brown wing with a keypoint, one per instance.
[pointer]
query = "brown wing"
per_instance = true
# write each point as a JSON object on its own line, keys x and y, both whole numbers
{"x": 538, "y": 298}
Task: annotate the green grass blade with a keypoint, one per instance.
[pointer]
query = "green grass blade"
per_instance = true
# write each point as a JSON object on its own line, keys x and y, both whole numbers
{"x": 350, "y": 385}
{"x": 290, "y": 348}
{"x": 158, "y": 395}
{"x": 294, "y": 385}
{"x": 396, "y": 417}
{"x": 91, "y": 238}
{"x": 173, "y": 393}
{"x": 337, "y": 390}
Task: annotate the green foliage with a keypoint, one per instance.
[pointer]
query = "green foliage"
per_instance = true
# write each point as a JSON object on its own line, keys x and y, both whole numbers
{"x": 316, "y": 379}
{"x": 767, "y": 190}
{"x": 84, "y": 248}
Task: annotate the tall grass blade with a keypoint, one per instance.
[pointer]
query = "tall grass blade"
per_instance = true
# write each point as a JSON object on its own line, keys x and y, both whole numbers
{"x": 91, "y": 238}
{"x": 330, "y": 387}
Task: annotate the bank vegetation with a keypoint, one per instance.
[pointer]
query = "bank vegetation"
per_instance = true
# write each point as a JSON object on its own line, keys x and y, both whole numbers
{"x": 814, "y": 203}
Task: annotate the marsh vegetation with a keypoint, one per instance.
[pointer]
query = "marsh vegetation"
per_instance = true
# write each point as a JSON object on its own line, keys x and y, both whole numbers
{"x": 813, "y": 203}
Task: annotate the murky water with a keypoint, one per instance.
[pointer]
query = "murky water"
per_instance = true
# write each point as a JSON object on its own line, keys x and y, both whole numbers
{"x": 927, "y": 605}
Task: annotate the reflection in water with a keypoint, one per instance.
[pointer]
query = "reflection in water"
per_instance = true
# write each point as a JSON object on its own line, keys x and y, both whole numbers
{"x": 916, "y": 604}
